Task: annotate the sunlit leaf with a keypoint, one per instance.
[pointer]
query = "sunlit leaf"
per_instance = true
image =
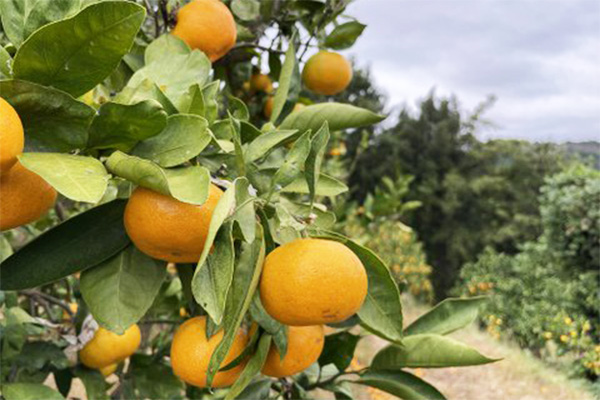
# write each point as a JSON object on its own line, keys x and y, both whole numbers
{"x": 447, "y": 316}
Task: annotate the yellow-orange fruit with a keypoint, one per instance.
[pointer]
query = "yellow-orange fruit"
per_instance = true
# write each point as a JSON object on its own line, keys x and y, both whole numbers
{"x": 207, "y": 25}
{"x": 24, "y": 197}
{"x": 12, "y": 138}
{"x": 191, "y": 353}
{"x": 304, "y": 346}
{"x": 298, "y": 107}
{"x": 109, "y": 369}
{"x": 327, "y": 73}
{"x": 108, "y": 348}
{"x": 261, "y": 83}
{"x": 168, "y": 229}
{"x": 312, "y": 282}
{"x": 268, "y": 109}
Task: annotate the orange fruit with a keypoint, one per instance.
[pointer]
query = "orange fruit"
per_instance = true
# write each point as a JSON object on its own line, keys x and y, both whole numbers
{"x": 327, "y": 73}
{"x": 207, "y": 25}
{"x": 312, "y": 282}
{"x": 191, "y": 353}
{"x": 305, "y": 344}
{"x": 268, "y": 109}
{"x": 261, "y": 83}
{"x": 109, "y": 369}
{"x": 108, "y": 348}
{"x": 168, "y": 229}
{"x": 12, "y": 138}
{"x": 24, "y": 197}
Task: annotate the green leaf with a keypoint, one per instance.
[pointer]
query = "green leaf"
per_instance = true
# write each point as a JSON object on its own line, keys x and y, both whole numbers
{"x": 153, "y": 379}
{"x": 239, "y": 109}
{"x": 276, "y": 329}
{"x": 318, "y": 145}
{"x": 246, "y": 10}
{"x": 339, "y": 350}
{"x": 165, "y": 46}
{"x": 381, "y": 312}
{"x": 5, "y": 64}
{"x": 428, "y": 351}
{"x": 338, "y": 116}
{"x": 251, "y": 369}
{"x": 245, "y": 281}
{"x": 5, "y": 248}
{"x": 52, "y": 120}
{"x": 78, "y": 53}
{"x": 447, "y": 317}
{"x": 326, "y": 186}
{"x": 146, "y": 90}
{"x": 266, "y": 142}
{"x": 245, "y": 215}
{"x": 81, "y": 242}
{"x": 211, "y": 284}
{"x": 175, "y": 74}
{"x": 119, "y": 291}
{"x": 185, "y": 136}
{"x": 293, "y": 163}
{"x": 400, "y": 384}
{"x": 285, "y": 79}
{"x": 94, "y": 383}
{"x": 258, "y": 390}
{"x": 29, "y": 391}
{"x": 121, "y": 126}
{"x": 20, "y": 18}
{"x": 344, "y": 35}
{"x": 317, "y": 214}
{"x": 78, "y": 178}
{"x": 189, "y": 184}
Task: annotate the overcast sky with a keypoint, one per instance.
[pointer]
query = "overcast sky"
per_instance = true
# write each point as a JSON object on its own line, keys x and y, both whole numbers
{"x": 541, "y": 58}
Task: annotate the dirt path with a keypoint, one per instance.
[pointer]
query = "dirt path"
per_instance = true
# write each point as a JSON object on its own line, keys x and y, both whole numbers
{"x": 517, "y": 377}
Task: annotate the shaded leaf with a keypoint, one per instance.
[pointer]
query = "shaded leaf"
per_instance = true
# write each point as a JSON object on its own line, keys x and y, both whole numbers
{"x": 273, "y": 327}
{"x": 401, "y": 384}
{"x": 293, "y": 163}
{"x": 29, "y": 391}
{"x": 121, "y": 126}
{"x": 339, "y": 350}
{"x": 94, "y": 383}
{"x": 52, "y": 120}
{"x": 79, "y": 243}
{"x": 258, "y": 390}
{"x": 252, "y": 368}
{"x": 318, "y": 145}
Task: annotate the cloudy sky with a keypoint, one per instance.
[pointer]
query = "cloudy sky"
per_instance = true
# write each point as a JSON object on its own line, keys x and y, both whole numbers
{"x": 541, "y": 58}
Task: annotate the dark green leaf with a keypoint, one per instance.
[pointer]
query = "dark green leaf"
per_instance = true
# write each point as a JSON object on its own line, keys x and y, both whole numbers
{"x": 152, "y": 379}
{"x": 252, "y": 368}
{"x": 94, "y": 383}
{"x": 121, "y": 126}
{"x": 428, "y": 351}
{"x": 184, "y": 137}
{"x": 188, "y": 184}
{"x": 75, "y": 245}
{"x": 344, "y": 35}
{"x": 78, "y": 178}
{"x": 76, "y": 54}
{"x": 273, "y": 327}
{"x": 339, "y": 350}
{"x": 5, "y": 64}
{"x": 447, "y": 317}
{"x": 119, "y": 291}
{"x": 401, "y": 384}
{"x": 339, "y": 116}
{"x": 245, "y": 215}
{"x": 258, "y": 390}
{"x": 53, "y": 120}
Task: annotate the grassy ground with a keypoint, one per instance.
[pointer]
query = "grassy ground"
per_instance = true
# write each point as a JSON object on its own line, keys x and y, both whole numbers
{"x": 518, "y": 376}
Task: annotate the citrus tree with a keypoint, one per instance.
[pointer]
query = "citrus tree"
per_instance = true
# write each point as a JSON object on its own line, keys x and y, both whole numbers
{"x": 164, "y": 210}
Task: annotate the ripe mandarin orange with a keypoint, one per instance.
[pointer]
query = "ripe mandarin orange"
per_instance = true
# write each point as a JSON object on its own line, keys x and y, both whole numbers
{"x": 166, "y": 228}
{"x": 327, "y": 73}
{"x": 12, "y": 138}
{"x": 261, "y": 83}
{"x": 108, "y": 348}
{"x": 24, "y": 197}
{"x": 191, "y": 353}
{"x": 207, "y": 25}
{"x": 305, "y": 344}
{"x": 311, "y": 282}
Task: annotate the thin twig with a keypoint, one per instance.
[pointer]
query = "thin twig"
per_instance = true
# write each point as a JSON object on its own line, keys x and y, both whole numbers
{"x": 256, "y": 46}
{"x": 50, "y": 299}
